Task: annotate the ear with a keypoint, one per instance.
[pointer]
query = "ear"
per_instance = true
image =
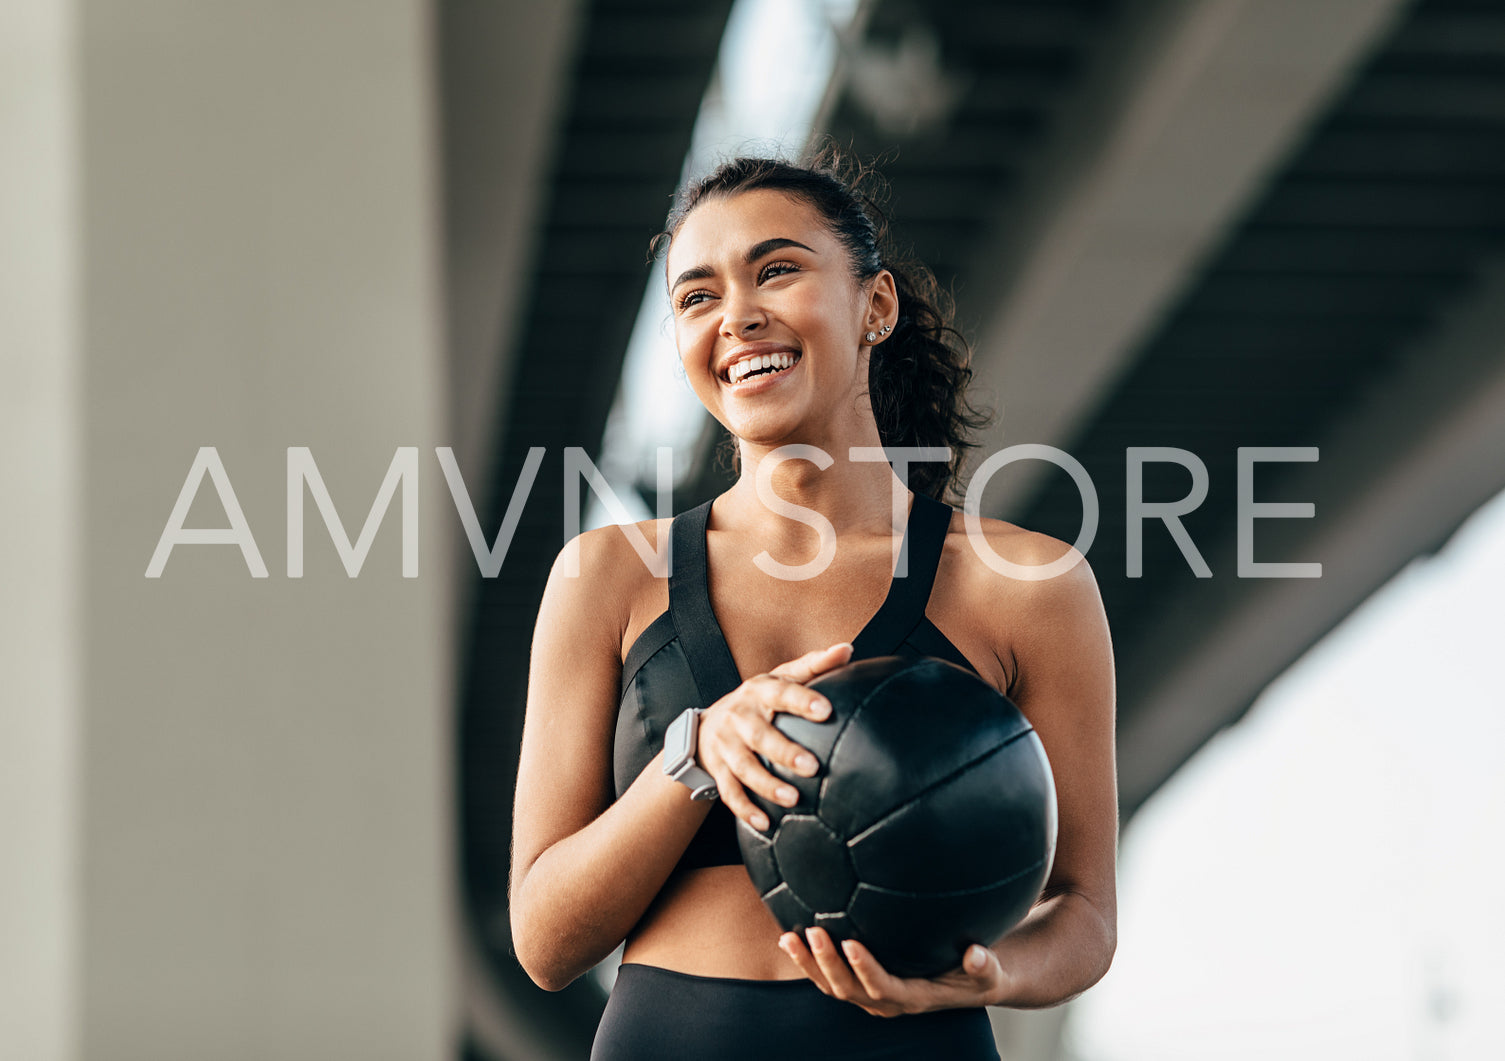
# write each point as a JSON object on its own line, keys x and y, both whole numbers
{"x": 883, "y": 302}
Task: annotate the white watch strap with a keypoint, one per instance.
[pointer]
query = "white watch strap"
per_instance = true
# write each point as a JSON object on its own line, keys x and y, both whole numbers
{"x": 685, "y": 769}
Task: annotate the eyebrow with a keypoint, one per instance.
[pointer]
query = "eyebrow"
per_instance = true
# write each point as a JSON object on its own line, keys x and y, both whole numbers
{"x": 756, "y": 251}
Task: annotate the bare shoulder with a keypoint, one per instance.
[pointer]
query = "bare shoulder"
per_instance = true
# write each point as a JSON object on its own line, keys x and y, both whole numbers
{"x": 604, "y": 552}
{"x": 1035, "y": 571}
{"x": 610, "y": 574}
{"x": 592, "y": 597}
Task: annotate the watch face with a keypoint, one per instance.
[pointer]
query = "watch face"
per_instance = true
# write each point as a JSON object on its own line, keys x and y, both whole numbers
{"x": 677, "y": 741}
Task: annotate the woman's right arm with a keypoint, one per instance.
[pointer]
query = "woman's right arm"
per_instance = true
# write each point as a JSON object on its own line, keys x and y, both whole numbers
{"x": 585, "y": 866}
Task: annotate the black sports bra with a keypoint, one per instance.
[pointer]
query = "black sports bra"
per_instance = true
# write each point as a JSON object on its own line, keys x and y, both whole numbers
{"x": 682, "y": 660}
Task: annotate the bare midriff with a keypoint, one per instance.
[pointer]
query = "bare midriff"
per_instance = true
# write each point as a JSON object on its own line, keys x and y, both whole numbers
{"x": 710, "y": 922}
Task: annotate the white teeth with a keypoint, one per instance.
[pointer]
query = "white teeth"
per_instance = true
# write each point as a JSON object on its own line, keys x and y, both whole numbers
{"x": 748, "y": 365}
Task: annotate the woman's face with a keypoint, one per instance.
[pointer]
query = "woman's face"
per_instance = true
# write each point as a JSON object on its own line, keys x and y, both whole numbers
{"x": 757, "y": 279}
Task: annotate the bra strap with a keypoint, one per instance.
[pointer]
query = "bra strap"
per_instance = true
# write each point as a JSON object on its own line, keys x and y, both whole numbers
{"x": 904, "y": 607}
{"x": 711, "y": 663}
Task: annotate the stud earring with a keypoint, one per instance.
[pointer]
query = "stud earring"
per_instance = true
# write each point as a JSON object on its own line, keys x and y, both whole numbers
{"x": 884, "y": 330}
{"x": 871, "y": 337}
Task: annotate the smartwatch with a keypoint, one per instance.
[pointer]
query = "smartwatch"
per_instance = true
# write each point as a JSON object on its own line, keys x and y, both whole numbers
{"x": 679, "y": 755}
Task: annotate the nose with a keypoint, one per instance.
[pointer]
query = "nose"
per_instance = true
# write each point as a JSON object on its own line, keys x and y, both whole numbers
{"x": 741, "y": 314}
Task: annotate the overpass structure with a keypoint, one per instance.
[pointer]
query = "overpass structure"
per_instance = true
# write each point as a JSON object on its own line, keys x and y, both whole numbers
{"x": 1176, "y": 232}
{"x": 1222, "y": 252}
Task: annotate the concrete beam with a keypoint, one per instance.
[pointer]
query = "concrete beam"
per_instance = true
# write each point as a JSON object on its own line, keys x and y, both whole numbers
{"x": 1189, "y": 110}
{"x": 1383, "y": 494}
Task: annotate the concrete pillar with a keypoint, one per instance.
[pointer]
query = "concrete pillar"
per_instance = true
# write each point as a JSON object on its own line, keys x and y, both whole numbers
{"x": 41, "y": 647}
{"x": 234, "y": 802}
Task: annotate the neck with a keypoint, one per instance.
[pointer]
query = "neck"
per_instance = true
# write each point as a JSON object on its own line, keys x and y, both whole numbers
{"x": 854, "y": 496}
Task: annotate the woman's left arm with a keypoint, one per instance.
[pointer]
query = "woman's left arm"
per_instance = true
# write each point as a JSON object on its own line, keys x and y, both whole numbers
{"x": 1064, "y": 685}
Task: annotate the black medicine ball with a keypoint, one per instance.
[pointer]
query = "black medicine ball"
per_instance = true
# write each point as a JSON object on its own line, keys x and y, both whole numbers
{"x": 930, "y": 825}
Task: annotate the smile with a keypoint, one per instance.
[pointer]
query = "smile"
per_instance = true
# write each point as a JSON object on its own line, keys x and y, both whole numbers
{"x": 761, "y": 365}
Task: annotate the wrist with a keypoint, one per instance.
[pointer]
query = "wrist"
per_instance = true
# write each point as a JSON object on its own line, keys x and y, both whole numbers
{"x": 681, "y": 745}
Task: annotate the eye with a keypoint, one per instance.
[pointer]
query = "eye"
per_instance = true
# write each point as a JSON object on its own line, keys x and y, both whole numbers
{"x": 773, "y": 269}
{"x": 691, "y": 298}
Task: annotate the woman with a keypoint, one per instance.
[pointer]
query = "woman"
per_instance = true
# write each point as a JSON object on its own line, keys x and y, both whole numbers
{"x": 806, "y": 342}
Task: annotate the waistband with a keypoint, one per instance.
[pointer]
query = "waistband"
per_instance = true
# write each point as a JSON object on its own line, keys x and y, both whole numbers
{"x": 643, "y": 969}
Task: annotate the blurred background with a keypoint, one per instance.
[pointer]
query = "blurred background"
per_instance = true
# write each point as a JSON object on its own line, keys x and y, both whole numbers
{"x": 256, "y": 785}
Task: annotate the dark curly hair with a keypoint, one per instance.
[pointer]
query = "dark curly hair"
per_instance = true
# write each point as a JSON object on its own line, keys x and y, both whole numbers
{"x": 917, "y": 378}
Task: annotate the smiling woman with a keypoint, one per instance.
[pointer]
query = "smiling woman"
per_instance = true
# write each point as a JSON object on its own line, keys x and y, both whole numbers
{"x": 646, "y": 696}
{"x": 917, "y": 382}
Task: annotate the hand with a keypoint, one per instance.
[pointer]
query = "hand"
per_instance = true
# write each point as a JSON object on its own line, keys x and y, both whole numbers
{"x": 860, "y": 980}
{"x": 738, "y": 728}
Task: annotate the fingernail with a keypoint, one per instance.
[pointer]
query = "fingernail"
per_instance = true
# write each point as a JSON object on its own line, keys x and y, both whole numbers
{"x": 787, "y": 796}
{"x": 819, "y": 710}
{"x": 846, "y": 948}
{"x": 806, "y": 765}
{"x": 760, "y": 822}
{"x": 812, "y": 939}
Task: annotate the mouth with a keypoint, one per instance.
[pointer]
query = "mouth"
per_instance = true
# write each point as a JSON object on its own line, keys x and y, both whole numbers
{"x": 760, "y": 366}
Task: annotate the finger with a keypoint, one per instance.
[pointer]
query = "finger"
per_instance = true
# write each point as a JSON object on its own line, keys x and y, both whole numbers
{"x": 877, "y": 981}
{"x": 763, "y": 737}
{"x": 781, "y": 694}
{"x": 735, "y": 797}
{"x": 976, "y": 962}
{"x": 768, "y": 694}
{"x": 985, "y": 968}
{"x": 793, "y": 945}
{"x": 833, "y": 967}
{"x": 736, "y": 756}
{"x": 724, "y": 754}
{"x": 811, "y": 664}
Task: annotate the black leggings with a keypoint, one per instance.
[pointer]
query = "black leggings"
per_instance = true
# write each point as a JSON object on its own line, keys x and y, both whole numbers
{"x": 660, "y": 1015}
